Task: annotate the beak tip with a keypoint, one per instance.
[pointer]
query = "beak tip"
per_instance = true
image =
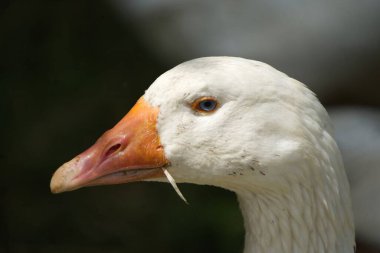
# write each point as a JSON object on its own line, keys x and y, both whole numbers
{"x": 57, "y": 184}
{"x": 54, "y": 191}
{"x": 54, "y": 187}
{"x": 62, "y": 179}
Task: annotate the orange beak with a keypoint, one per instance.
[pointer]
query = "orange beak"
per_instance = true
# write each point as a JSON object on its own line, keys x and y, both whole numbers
{"x": 130, "y": 151}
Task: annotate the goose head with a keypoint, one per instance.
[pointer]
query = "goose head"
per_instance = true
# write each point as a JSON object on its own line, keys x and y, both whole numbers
{"x": 237, "y": 124}
{"x": 233, "y": 123}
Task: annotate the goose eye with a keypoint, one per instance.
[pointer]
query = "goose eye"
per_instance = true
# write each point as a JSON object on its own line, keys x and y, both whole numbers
{"x": 205, "y": 104}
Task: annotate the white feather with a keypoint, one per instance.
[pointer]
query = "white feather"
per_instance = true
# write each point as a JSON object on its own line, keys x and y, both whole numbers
{"x": 270, "y": 142}
{"x": 172, "y": 182}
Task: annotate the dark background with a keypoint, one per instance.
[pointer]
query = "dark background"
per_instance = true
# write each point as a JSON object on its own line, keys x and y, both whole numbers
{"x": 69, "y": 70}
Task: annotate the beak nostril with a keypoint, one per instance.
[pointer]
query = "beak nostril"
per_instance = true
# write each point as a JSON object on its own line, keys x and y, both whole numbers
{"x": 112, "y": 149}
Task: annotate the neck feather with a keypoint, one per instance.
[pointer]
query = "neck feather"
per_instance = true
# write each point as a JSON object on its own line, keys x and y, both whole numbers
{"x": 298, "y": 220}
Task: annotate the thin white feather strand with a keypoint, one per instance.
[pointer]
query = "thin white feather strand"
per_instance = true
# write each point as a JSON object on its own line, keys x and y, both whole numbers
{"x": 173, "y": 183}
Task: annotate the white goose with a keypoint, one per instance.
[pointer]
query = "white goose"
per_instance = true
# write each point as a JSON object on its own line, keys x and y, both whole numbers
{"x": 243, "y": 126}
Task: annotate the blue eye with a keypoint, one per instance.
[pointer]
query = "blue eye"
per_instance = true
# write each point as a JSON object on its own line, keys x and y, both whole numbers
{"x": 205, "y": 104}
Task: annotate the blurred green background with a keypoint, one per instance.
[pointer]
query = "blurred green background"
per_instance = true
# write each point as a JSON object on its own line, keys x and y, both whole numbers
{"x": 69, "y": 70}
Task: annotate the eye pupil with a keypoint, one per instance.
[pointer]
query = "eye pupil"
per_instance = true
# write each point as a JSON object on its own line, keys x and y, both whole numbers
{"x": 207, "y": 105}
